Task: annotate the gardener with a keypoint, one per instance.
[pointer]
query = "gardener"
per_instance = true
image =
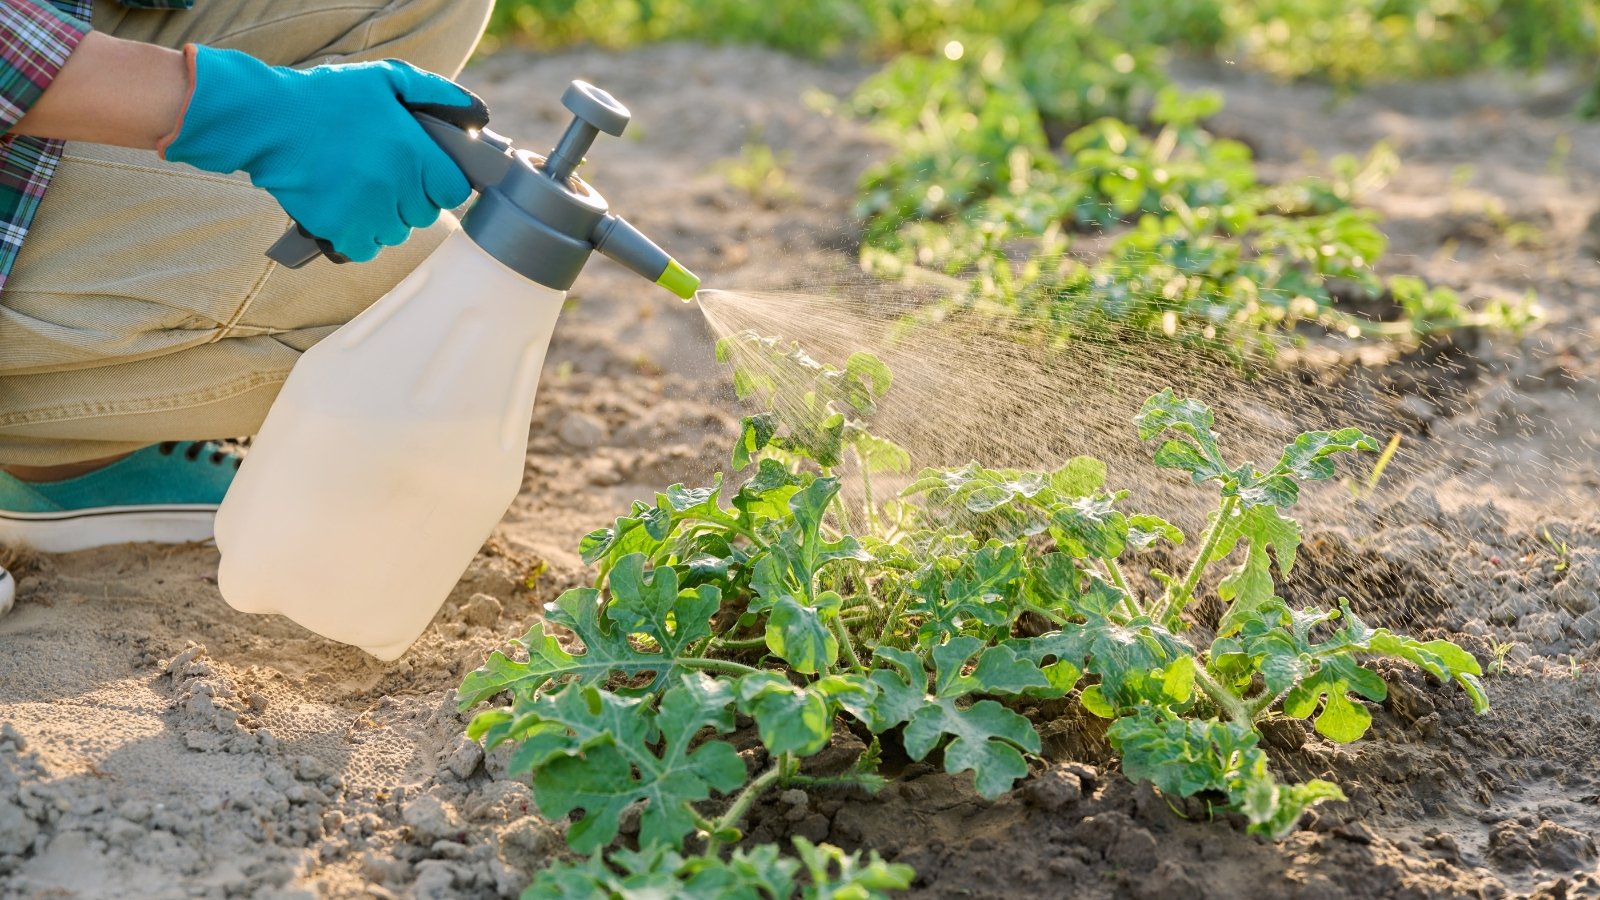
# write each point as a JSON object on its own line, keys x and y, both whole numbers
{"x": 138, "y": 316}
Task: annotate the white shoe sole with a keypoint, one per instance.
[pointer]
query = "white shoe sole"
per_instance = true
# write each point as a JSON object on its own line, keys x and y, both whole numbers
{"x": 84, "y": 529}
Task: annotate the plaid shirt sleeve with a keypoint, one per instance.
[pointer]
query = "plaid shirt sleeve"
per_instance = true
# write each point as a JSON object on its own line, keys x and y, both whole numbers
{"x": 36, "y": 37}
{"x": 35, "y": 41}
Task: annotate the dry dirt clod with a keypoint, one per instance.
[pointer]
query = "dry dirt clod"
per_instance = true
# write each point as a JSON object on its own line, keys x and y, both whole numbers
{"x": 1054, "y": 789}
{"x": 583, "y": 431}
{"x": 482, "y": 610}
{"x": 431, "y": 819}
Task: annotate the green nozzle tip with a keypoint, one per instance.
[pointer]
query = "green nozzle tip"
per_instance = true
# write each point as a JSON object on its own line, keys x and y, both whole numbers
{"x": 679, "y": 280}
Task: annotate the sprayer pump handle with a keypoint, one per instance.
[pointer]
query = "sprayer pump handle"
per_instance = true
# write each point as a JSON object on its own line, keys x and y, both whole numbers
{"x": 461, "y": 131}
{"x": 595, "y": 106}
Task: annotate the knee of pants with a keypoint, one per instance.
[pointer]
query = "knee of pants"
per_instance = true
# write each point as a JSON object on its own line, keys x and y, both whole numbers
{"x": 437, "y": 35}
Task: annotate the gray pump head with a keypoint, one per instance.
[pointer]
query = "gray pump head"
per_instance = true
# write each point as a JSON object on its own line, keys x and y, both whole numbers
{"x": 532, "y": 213}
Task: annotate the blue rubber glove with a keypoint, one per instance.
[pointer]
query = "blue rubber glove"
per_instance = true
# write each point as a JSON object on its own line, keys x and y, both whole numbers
{"x": 334, "y": 145}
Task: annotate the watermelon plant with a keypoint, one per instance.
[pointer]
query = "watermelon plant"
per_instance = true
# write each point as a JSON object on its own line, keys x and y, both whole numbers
{"x": 773, "y": 604}
{"x": 1201, "y": 250}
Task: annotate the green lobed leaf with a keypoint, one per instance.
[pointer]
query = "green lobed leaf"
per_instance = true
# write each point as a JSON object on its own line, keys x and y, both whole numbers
{"x": 1144, "y": 531}
{"x": 606, "y": 760}
{"x": 1053, "y": 582}
{"x": 986, "y": 738}
{"x": 1439, "y": 658}
{"x": 1195, "y": 449}
{"x": 1061, "y": 674}
{"x": 808, "y": 550}
{"x": 877, "y": 454}
{"x": 648, "y": 528}
{"x": 1089, "y": 528}
{"x": 653, "y": 606}
{"x": 979, "y": 591}
{"x": 999, "y": 670}
{"x": 673, "y": 619}
{"x": 1004, "y": 503}
{"x": 900, "y": 689}
{"x": 796, "y": 628}
{"x": 1094, "y": 700}
{"x": 1249, "y": 586}
{"x": 765, "y": 496}
{"x": 1310, "y": 456}
{"x": 633, "y": 533}
{"x": 1328, "y": 689}
{"x": 1132, "y": 660}
{"x": 870, "y": 371}
{"x": 1277, "y": 808}
{"x": 799, "y": 719}
{"x": 1184, "y": 757}
{"x": 755, "y": 433}
{"x": 799, "y": 633}
{"x": 1253, "y": 489}
{"x": 1080, "y": 476}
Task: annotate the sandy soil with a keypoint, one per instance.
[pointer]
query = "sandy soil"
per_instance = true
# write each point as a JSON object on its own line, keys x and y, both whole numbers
{"x": 153, "y": 743}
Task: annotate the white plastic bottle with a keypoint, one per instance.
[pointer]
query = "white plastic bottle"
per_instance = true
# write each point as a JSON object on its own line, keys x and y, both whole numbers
{"x": 409, "y": 427}
{"x": 398, "y": 442}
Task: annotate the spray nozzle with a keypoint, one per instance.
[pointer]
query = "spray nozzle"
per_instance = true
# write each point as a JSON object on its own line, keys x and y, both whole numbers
{"x": 628, "y": 247}
{"x": 532, "y": 213}
{"x": 593, "y": 111}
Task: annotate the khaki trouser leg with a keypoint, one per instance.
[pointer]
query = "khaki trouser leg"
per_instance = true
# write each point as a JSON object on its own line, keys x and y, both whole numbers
{"x": 141, "y": 308}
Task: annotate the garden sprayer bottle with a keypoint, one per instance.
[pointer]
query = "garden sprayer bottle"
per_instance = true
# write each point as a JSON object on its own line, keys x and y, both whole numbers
{"x": 399, "y": 441}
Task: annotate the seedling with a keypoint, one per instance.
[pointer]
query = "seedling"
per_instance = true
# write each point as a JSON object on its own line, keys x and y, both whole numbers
{"x": 761, "y": 173}
{"x": 1499, "y": 650}
{"x": 1562, "y": 551}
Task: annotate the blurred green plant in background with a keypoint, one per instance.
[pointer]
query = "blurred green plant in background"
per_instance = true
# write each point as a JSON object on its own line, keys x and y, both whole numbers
{"x": 1016, "y": 124}
{"x": 1344, "y": 41}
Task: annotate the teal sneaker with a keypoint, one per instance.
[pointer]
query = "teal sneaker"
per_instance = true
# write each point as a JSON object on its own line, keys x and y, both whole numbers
{"x": 167, "y": 493}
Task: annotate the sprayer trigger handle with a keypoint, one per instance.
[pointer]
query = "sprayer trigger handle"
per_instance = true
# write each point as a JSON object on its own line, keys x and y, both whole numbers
{"x": 298, "y": 247}
{"x": 483, "y": 157}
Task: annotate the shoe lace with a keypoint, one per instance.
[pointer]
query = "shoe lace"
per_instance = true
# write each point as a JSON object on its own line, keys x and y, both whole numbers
{"x": 219, "y": 454}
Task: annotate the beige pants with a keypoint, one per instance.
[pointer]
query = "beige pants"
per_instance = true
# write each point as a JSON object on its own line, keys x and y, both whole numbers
{"x": 141, "y": 308}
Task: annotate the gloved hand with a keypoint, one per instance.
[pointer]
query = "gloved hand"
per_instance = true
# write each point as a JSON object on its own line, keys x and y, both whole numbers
{"x": 334, "y": 145}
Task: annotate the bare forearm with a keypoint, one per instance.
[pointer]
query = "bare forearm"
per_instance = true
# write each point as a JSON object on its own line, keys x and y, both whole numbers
{"x": 111, "y": 91}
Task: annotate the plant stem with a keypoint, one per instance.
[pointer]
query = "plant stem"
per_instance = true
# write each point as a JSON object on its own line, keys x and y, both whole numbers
{"x": 726, "y": 666}
{"x": 838, "y": 505}
{"x": 894, "y": 616}
{"x": 1175, "y": 602}
{"x": 1225, "y": 699}
{"x": 1121, "y": 581}
{"x": 1263, "y": 703}
{"x": 866, "y": 492}
{"x": 741, "y": 804}
{"x": 740, "y": 643}
{"x": 849, "y": 647}
{"x": 864, "y": 780}
{"x": 733, "y": 525}
{"x": 1039, "y": 610}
